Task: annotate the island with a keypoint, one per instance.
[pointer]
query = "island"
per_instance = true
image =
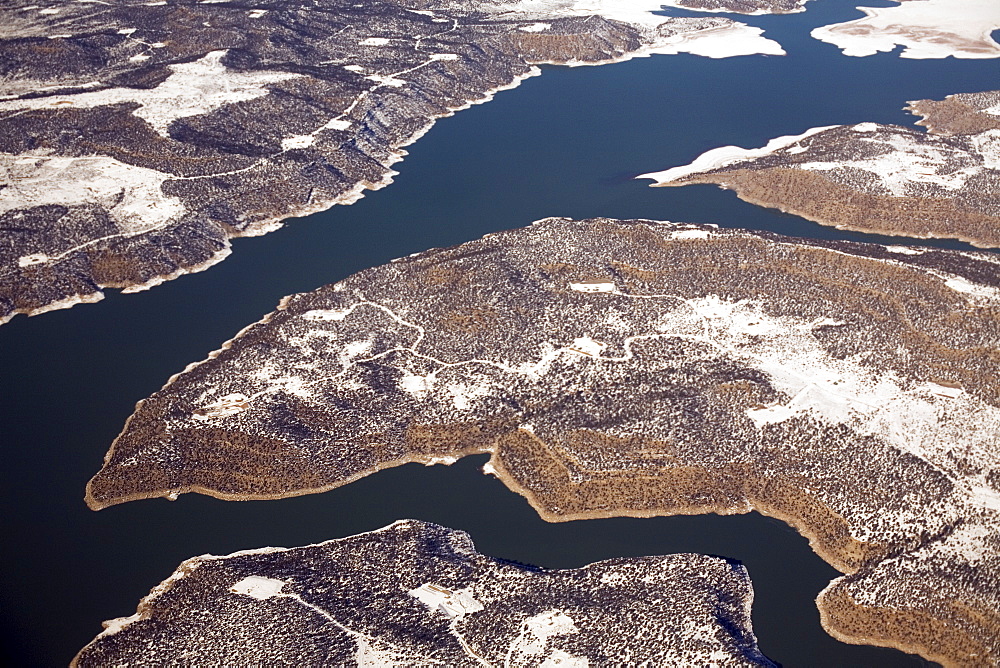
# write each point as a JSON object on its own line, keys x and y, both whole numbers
{"x": 138, "y": 138}
{"x": 877, "y": 178}
{"x": 640, "y": 368}
{"x": 418, "y": 594}
{"x": 924, "y": 28}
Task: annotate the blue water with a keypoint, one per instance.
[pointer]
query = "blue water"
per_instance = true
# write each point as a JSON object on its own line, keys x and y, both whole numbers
{"x": 566, "y": 143}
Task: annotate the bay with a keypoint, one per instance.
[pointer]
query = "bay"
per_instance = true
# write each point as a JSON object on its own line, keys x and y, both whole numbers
{"x": 564, "y": 144}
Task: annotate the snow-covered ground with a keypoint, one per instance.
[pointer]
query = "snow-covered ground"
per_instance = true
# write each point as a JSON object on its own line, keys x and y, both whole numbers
{"x": 925, "y": 28}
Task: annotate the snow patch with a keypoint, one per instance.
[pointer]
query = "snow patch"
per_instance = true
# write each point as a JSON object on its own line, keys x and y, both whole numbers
{"x": 944, "y": 390}
{"x": 904, "y": 250}
{"x": 732, "y": 39}
{"x": 959, "y": 284}
{"x": 464, "y": 395}
{"x": 627, "y": 11}
{"x": 337, "y": 124}
{"x": 33, "y": 259}
{"x": 132, "y": 195}
{"x": 231, "y": 404}
{"x": 327, "y": 315}
{"x": 922, "y": 418}
{"x": 418, "y": 386}
{"x": 293, "y": 385}
{"x": 113, "y": 626}
{"x": 535, "y": 634}
{"x": 770, "y": 415}
{"x": 192, "y": 89}
{"x": 691, "y": 234}
{"x": 454, "y": 604}
{"x": 447, "y": 460}
{"x": 562, "y": 659}
{"x": 549, "y": 624}
{"x": 970, "y": 542}
{"x": 588, "y": 346}
{"x": 351, "y": 351}
{"x": 258, "y": 587}
{"x": 374, "y": 41}
{"x": 386, "y": 80}
{"x": 593, "y": 286}
{"x": 297, "y": 141}
{"x": 735, "y": 39}
{"x": 368, "y": 655}
{"x": 725, "y": 156}
{"x": 987, "y": 145}
{"x": 905, "y": 161}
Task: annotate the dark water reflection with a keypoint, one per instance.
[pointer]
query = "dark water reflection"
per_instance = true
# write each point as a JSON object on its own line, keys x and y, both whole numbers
{"x": 565, "y": 144}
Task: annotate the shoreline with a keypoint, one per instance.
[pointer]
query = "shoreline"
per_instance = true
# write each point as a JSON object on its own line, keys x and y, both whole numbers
{"x": 784, "y": 207}
{"x": 495, "y": 468}
{"x": 708, "y": 42}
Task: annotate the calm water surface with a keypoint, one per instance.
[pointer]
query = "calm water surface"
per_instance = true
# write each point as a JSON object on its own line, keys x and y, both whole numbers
{"x": 566, "y": 143}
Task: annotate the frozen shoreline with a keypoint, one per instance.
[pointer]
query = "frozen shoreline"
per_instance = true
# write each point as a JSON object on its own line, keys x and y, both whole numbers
{"x": 925, "y": 28}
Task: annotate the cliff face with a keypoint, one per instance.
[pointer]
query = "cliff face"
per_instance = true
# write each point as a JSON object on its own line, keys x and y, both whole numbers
{"x": 417, "y": 594}
{"x": 633, "y": 368}
{"x": 136, "y": 139}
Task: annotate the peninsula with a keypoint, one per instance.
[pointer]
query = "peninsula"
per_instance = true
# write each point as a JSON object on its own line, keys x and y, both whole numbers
{"x": 870, "y": 177}
{"x": 924, "y": 28}
{"x": 637, "y": 368}
{"x": 417, "y": 594}
{"x": 138, "y": 138}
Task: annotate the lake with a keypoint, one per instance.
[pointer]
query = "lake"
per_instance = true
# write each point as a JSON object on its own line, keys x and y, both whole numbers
{"x": 563, "y": 144}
